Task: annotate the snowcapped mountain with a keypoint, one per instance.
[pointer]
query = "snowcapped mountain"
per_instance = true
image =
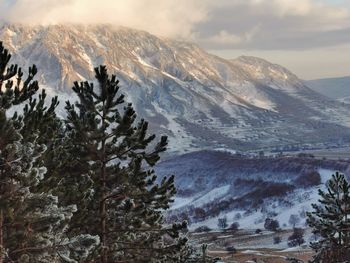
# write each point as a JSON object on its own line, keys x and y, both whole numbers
{"x": 198, "y": 99}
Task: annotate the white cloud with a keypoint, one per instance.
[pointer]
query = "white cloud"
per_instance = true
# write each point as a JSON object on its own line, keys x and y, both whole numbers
{"x": 223, "y": 37}
{"x": 164, "y": 17}
{"x": 258, "y": 24}
{"x": 274, "y": 24}
{"x": 226, "y": 38}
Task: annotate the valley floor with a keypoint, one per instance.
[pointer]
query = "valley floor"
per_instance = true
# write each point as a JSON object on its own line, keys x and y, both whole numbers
{"x": 333, "y": 153}
{"x": 252, "y": 247}
{"x": 261, "y": 256}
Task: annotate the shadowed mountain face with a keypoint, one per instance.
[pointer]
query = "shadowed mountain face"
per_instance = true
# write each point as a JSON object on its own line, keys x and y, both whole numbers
{"x": 204, "y": 170}
{"x": 198, "y": 99}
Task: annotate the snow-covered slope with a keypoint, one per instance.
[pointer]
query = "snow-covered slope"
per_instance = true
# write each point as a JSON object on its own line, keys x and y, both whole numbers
{"x": 198, "y": 99}
{"x": 345, "y": 100}
{"x": 246, "y": 190}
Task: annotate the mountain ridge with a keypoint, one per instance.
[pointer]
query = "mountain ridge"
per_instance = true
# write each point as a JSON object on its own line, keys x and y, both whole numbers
{"x": 335, "y": 88}
{"x": 198, "y": 99}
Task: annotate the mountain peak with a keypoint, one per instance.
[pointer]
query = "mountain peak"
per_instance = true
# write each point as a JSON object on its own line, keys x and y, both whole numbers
{"x": 198, "y": 99}
{"x": 252, "y": 59}
{"x": 262, "y": 69}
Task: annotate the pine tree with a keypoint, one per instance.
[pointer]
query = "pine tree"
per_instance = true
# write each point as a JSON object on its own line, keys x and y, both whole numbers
{"x": 111, "y": 165}
{"x": 330, "y": 219}
{"x": 39, "y": 120}
{"x": 14, "y": 92}
{"x": 222, "y": 223}
{"x": 294, "y": 260}
{"x": 189, "y": 254}
{"x": 296, "y": 238}
{"x": 32, "y": 224}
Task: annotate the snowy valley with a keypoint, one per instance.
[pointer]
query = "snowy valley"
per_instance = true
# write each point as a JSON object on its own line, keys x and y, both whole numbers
{"x": 245, "y": 189}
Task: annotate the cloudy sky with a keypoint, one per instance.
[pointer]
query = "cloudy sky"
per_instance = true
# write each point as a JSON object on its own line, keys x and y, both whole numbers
{"x": 310, "y": 37}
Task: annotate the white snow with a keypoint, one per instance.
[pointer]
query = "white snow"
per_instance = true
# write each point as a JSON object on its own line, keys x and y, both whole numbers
{"x": 181, "y": 201}
{"x": 325, "y": 175}
{"x": 143, "y": 62}
{"x": 301, "y": 200}
{"x": 225, "y": 150}
{"x": 180, "y": 139}
{"x": 211, "y": 195}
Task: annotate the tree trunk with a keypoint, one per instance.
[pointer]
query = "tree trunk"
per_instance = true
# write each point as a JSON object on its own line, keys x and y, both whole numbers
{"x": 103, "y": 216}
{"x": 103, "y": 210}
{"x": 1, "y": 236}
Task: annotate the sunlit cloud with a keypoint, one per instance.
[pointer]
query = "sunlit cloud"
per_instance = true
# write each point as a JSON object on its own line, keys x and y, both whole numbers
{"x": 165, "y": 17}
{"x": 264, "y": 24}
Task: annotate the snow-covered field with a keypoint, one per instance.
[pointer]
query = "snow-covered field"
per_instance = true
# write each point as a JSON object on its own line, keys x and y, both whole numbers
{"x": 299, "y": 202}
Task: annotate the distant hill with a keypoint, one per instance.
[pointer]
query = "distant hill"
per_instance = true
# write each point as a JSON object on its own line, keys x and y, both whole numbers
{"x": 214, "y": 184}
{"x": 335, "y": 88}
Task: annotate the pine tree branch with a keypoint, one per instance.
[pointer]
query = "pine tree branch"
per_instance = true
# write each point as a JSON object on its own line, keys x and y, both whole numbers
{"x": 114, "y": 196}
{"x": 37, "y": 249}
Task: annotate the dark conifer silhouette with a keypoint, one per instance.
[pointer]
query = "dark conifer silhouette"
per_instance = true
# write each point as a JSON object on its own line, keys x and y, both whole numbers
{"x": 32, "y": 224}
{"x": 330, "y": 220}
{"x": 111, "y": 165}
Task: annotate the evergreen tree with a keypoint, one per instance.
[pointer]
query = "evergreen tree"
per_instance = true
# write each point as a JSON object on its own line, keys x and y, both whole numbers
{"x": 330, "y": 219}
{"x": 271, "y": 224}
{"x": 32, "y": 225}
{"x": 189, "y": 254}
{"x": 39, "y": 120}
{"x": 296, "y": 238}
{"x": 110, "y": 174}
{"x": 222, "y": 223}
{"x": 13, "y": 90}
{"x": 293, "y": 220}
{"x": 294, "y": 260}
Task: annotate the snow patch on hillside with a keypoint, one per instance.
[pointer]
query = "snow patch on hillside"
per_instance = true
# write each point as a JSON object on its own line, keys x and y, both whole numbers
{"x": 300, "y": 202}
{"x": 212, "y": 195}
